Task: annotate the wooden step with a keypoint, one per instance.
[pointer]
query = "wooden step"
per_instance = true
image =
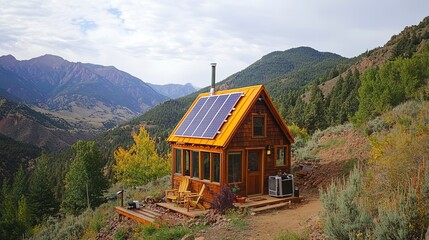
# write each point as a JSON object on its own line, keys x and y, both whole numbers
{"x": 269, "y": 207}
{"x": 137, "y": 216}
{"x": 147, "y": 212}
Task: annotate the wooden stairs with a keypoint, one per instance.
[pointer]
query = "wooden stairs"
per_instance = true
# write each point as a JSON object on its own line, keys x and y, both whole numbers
{"x": 142, "y": 215}
{"x": 265, "y": 202}
{"x": 269, "y": 207}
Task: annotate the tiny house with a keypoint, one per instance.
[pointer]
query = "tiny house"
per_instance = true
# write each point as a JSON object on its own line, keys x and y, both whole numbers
{"x": 235, "y": 137}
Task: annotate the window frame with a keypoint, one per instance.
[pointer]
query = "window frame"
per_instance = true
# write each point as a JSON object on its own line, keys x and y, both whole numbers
{"x": 193, "y": 152}
{"x": 259, "y": 115}
{"x": 286, "y": 149}
{"x": 176, "y": 150}
{"x": 241, "y": 152}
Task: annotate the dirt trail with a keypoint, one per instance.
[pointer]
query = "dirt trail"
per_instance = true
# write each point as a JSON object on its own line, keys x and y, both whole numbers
{"x": 270, "y": 224}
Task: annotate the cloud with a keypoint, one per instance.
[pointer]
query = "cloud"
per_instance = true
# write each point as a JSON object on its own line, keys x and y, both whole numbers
{"x": 162, "y": 42}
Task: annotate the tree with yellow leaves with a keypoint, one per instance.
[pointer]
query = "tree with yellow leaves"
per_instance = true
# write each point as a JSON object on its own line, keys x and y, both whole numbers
{"x": 140, "y": 164}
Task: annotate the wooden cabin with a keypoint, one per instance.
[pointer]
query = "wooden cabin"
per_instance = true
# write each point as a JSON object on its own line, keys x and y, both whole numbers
{"x": 234, "y": 137}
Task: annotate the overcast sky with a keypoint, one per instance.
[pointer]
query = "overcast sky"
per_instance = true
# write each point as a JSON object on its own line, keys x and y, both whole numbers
{"x": 175, "y": 41}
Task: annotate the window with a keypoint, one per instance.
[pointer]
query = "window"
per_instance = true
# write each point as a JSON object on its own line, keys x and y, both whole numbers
{"x": 253, "y": 161}
{"x": 187, "y": 162}
{"x": 206, "y": 165}
{"x": 259, "y": 126}
{"x": 178, "y": 161}
{"x": 281, "y": 156}
{"x": 195, "y": 164}
{"x": 216, "y": 167}
{"x": 234, "y": 167}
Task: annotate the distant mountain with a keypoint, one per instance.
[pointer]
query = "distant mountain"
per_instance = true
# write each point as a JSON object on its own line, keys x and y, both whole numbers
{"x": 91, "y": 96}
{"x": 291, "y": 69}
{"x": 174, "y": 90}
{"x": 21, "y": 123}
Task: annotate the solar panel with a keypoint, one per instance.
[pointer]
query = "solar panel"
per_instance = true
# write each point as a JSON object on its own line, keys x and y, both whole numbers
{"x": 208, "y": 116}
{"x": 190, "y": 117}
{"x": 200, "y": 116}
{"x": 221, "y": 116}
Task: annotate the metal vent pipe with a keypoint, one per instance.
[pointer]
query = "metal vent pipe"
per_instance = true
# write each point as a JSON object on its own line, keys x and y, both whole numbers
{"x": 212, "y": 89}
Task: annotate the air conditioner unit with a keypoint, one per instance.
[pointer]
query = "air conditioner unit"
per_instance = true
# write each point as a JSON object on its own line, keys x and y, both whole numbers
{"x": 281, "y": 186}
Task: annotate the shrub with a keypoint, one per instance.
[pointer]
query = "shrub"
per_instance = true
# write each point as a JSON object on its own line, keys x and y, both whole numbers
{"x": 224, "y": 199}
{"x": 345, "y": 215}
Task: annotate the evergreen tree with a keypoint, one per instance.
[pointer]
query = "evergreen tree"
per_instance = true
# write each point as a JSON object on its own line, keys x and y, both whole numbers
{"x": 10, "y": 227}
{"x": 315, "y": 110}
{"x": 84, "y": 179}
{"x": 42, "y": 202}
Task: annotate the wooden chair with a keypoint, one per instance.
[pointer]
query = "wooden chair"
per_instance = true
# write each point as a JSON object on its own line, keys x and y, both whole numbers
{"x": 192, "y": 199}
{"x": 176, "y": 195}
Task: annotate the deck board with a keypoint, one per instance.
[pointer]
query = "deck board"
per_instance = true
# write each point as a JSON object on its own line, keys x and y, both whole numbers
{"x": 135, "y": 215}
{"x": 264, "y": 200}
{"x": 192, "y": 213}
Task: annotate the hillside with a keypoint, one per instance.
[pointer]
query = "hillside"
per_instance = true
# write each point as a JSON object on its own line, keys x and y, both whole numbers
{"x": 89, "y": 95}
{"x": 14, "y": 154}
{"x": 404, "y": 44}
{"x": 19, "y": 122}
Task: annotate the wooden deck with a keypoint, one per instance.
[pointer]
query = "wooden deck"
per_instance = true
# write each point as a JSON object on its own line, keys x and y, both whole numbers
{"x": 142, "y": 215}
{"x": 192, "y": 212}
{"x": 266, "y": 202}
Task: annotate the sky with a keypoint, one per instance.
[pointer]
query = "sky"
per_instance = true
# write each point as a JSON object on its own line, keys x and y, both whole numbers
{"x": 175, "y": 41}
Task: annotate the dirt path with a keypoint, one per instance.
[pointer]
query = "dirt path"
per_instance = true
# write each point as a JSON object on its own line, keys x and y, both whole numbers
{"x": 270, "y": 224}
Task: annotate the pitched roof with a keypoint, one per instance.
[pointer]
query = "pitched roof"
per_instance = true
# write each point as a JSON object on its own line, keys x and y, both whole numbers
{"x": 242, "y": 108}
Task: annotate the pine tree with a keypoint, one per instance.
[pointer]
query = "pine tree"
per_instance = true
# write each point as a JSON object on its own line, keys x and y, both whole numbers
{"x": 42, "y": 202}
{"x": 315, "y": 117}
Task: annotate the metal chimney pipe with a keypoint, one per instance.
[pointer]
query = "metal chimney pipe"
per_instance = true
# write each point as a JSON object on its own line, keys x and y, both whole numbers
{"x": 212, "y": 90}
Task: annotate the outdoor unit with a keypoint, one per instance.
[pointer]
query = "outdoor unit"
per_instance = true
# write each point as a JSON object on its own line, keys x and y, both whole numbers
{"x": 281, "y": 185}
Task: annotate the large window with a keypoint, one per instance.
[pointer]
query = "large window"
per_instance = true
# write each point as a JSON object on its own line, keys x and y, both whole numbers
{"x": 187, "y": 162}
{"x": 206, "y": 165}
{"x": 216, "y": 167}
{"x": 281, "y": 156}
{"x": 178, "y": 156}
{"x": 195, "y": 164}
{"x": 258, "y": 126}
{"x": 234, "y": 167}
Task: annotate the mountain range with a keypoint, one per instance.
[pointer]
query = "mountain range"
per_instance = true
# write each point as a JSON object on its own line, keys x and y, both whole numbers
{"x": 87, "y": 98}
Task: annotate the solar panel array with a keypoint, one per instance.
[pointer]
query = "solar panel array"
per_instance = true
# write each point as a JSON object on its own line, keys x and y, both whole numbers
{"x": 208, "y": 115}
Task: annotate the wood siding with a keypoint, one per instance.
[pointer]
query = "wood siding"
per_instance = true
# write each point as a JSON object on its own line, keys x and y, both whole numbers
{"x": 243, "y": 139}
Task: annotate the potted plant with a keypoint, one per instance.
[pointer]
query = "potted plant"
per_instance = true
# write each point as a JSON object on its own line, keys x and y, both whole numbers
{"x": 236, "y": 189}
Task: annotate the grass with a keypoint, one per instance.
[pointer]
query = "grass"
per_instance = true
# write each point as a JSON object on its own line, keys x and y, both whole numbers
{"x": 289, "y": 235}
{"x": 165, "y": 232}
{"x": 237, "y": 219}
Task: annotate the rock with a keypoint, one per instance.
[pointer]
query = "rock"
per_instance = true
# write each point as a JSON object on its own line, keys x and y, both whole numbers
{"x": 199, "y": 238}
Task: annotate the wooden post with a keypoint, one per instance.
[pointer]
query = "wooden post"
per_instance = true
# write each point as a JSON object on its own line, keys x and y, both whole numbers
{"x": 122, "y": 198}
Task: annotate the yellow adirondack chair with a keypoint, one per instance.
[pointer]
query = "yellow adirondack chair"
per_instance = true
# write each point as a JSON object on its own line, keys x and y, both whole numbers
{"x": 192, "y": 199}
{"x": 176, "y": 195}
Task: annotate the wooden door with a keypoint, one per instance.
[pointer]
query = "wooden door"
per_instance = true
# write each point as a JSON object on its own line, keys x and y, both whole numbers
{"x": 254, "y": 170}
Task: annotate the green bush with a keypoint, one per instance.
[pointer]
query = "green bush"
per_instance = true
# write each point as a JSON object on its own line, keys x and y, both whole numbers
{"x": 344, "y": 214}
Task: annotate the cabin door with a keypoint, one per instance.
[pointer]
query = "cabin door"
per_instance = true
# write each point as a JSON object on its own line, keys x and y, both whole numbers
{"x": 254, "y": 170}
